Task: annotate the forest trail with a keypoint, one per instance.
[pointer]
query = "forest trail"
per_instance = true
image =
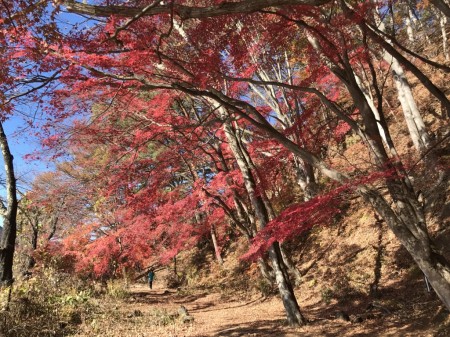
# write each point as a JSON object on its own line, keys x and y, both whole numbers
{"x": 213, "y": 315}
{"x": 152, "y": 313}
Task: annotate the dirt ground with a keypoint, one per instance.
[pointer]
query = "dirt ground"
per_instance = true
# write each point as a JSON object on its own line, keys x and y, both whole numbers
{"x": 151, "y": 313}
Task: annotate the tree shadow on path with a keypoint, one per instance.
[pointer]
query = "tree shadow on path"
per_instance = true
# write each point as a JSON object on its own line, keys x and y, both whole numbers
{"x": 256, "y": 328}
{"x": 200, "y": 308}
{"x": 163, "y": 296}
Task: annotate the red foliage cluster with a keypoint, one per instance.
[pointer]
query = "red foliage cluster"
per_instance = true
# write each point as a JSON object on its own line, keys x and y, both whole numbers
{"x": 151, "y": 103}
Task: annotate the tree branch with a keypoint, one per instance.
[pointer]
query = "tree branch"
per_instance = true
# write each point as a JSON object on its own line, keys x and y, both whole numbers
{"x": 186, "y": 12}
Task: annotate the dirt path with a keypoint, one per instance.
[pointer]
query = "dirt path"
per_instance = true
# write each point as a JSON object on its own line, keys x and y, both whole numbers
{"x": 151, "y": 313}
{"x": 214, "y": 316}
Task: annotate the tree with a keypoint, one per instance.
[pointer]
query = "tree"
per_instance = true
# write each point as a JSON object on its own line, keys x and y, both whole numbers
{"x": 25, "y": 74}
{"x": 9, "y": 213}
{"x": 45, "y": 213}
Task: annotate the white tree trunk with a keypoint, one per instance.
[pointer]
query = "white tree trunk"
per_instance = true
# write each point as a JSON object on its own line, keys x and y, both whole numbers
{"x": 216, "y": 245}
{"x": 372, "y": 106}
{"x": 417, "y": 127}
{"x": 293, "y": 313}
{"x": 9, "y": 213}
{"x": 443, "y": 24}
{"x": 414, "y": 121}
{"x": 409, "y": 28}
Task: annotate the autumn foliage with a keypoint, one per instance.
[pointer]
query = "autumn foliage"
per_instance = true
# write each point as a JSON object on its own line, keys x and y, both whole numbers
{"x": 174, "y": 122}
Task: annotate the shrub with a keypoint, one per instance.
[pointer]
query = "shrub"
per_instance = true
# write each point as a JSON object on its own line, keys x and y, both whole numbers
{"x": 174, "y": 281}
{"x": 48, "y": 304}
{"x": 326, "y": 295}
{"x": 117, "y": 289}
{"x": 264, "y": 287}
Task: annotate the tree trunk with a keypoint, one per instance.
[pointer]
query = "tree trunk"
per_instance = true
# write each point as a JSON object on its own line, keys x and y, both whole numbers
{"x": 54, "y": 222}
{"x": 293, "y": 313}
{"x": 443, "y": 25}
{"x": 305, "y": 173}
{"x": 417, "y": 24}
{"x": 216, "y": 246}
{"x": 290, "y": 265}
{"x": 265, "y": 270}
{"x": 175, "y": 266}
{"x": 9, "y": 212}
{"x": 414, "y": 237}
{"x": 409, "y": 29}
{"x": 34, "y": 240}
{"x": 424, "y": 79}
{"x": 409, "y": 224}
{"x": 305, "y": 178}
{"x": 368, "y": 96}
{"x": 413, "y": 118}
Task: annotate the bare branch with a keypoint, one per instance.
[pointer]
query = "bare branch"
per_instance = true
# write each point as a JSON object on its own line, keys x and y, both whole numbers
{"x": 44, "y": 80}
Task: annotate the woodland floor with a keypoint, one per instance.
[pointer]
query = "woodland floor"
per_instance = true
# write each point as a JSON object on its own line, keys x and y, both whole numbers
{"x": 147, "y": 313}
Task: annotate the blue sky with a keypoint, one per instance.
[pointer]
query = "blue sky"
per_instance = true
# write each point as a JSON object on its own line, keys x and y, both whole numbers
{"x": 21, "y": 143}
{"x": 20, "y": 137}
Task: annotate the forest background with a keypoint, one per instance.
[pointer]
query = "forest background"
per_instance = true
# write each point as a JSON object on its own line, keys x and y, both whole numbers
{"x": 247, "y": 127}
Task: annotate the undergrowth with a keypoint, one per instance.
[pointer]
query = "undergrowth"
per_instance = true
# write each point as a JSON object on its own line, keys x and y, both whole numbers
{"x": 51, "y": 303}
